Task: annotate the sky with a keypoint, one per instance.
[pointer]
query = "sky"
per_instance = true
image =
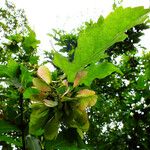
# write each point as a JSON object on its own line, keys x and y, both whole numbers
{"x": 45, "y": 15}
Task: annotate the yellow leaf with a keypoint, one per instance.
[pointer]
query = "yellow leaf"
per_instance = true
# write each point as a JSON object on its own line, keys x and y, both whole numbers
{"x": 85, "y": 93}
{"x": 87, "y": 99}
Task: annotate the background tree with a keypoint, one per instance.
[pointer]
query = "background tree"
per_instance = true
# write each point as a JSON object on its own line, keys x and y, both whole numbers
{"x": 18, "y": 45}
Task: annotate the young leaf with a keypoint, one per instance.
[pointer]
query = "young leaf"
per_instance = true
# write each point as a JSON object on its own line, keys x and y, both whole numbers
{"x": 87, "y": 98}
{"x": 79, "y": 76}
{"x": 44, "y": 73}
{"x": 40, "y": 85}
{"x": 85, "y": 93}
{"x": 50, "y": 103}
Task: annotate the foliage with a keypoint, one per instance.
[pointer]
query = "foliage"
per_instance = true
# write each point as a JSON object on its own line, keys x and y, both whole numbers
{"x": 120, "y": 119}
{"x": 18, "y": 61}
{"x": 59, "y": 103}
{"x": 93, "y": 41}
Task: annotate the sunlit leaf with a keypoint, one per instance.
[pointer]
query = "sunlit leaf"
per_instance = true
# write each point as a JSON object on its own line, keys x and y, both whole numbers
{"x": 30, "y": 42}
{"x": 50, "y": 103}
{"x": 81, "y": 134}
{"x": 40, "y": 85}
{"x": 30, "y": 92}
{"x": 34, "y": 59}
{"x": 99, "y": 71}
{"x": 12, "y": 68}
{"x": 85, "y": 93}
{"x": 2, "y": 70}
{"x": 87, "y": 99}
{"x": 26, "y": 78}
{"x": 79, "y": 76}
{"x": 44, "y": 73}
{"x": 94, "y": 40}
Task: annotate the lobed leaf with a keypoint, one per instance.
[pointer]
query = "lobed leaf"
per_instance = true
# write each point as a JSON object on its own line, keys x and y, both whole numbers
{"x": 97, "y": 38}
{"x": 30, "y": 42}
{"x": 99, "y": 71}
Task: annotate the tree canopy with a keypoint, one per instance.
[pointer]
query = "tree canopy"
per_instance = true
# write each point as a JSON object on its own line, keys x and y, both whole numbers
{"x": 98, "y": 95}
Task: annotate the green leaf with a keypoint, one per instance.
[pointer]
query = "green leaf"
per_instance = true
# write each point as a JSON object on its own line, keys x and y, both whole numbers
{"x": 12, "y": 68}
{"x": 30, "y": 42}
{"x": 98, "y": 37}
{"x": 26, "y": 78}
{"x": 99, "y": 71}
{"x": 5, "y": 129}
{"x": 66, "y": 140}
{"x": 51, "y": 128}
{"x": 29, "y": 92}
{"x": 44, "y": 73}
{"x": 34, "y": 59}
{"x": 63, "y": 63}
{"x": 2, "y": 70}
{"x": 32, "y": 143}
{"x": 79, "y": 121}
{"x": 38, "y": 119}
{"x": 40, "y": 85}
{"x": 6, "y": 126}
{"x": 11, "y": 140}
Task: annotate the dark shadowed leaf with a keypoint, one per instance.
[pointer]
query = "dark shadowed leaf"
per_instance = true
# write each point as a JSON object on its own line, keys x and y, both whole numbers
{"x": 32, "y": 143}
